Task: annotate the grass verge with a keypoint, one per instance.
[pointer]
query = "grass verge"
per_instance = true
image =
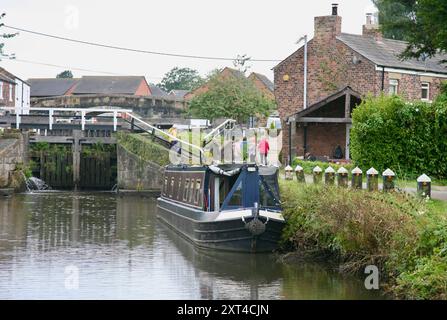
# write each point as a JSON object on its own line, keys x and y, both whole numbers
{"x": 405, "y": 237}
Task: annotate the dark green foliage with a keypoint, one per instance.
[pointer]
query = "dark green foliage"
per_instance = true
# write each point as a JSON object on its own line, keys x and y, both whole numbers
{"x": 181, "y": 79}
{"x": 409, "y": 138}
{"x": 230, "y": 97}
{"x": 98, "y": 150}
{"x": 420, "y": 22}
{"x": 67, "y": 74}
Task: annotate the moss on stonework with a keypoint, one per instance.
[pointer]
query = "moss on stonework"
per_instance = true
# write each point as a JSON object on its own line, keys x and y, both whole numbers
{"x": 144, "y": 148}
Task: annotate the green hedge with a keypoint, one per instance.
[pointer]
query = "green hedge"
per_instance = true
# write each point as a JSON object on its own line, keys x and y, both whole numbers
{"x": 144, "y": 147}
{"x": 409, "y": 138}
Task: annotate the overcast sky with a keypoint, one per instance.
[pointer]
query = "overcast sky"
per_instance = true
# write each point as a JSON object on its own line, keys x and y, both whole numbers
{"x": 262, "y": 29}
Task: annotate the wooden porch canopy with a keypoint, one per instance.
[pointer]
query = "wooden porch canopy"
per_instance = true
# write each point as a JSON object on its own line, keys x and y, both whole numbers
{"x": 336, "y": 108}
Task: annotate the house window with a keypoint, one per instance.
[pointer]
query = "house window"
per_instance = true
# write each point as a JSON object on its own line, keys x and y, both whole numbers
{"x": 425, "y": 91}
{"x": 1, "y": 90}
{"x": 394, "y": 85}
{"x": 10, "y": 92}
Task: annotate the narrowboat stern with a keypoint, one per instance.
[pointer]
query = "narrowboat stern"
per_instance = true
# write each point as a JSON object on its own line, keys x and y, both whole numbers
{"x": 227, "y": 207}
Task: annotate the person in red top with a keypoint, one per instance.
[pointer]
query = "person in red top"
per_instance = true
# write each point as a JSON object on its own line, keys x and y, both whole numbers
{"x": 264, "y": 149}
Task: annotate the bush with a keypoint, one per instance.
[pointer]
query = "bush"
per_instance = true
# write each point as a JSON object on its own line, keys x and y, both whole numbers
{"x": 408, "y": 137}
{"x": 404, "y": 236}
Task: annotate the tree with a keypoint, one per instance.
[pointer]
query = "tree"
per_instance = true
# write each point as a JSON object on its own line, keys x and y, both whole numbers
{"x": 67, "y": 74}
{"x": 420, "y": 22}
{"x": 181, "y": 79}
{"x": 230, "y": 97}
{"x": 5, "y": 36}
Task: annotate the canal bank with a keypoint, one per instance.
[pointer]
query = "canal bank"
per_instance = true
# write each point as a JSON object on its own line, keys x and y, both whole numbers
{"x": 119, "y": 250}
{"x": 403, "y": 236}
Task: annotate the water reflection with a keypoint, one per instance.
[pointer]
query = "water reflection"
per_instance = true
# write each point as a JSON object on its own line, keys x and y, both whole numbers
{"x": 123, "y": 252}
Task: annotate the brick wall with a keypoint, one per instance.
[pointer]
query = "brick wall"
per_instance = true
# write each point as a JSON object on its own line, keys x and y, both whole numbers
{"x": 4, "y": 98}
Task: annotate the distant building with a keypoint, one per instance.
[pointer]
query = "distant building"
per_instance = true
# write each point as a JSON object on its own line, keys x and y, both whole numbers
{"x": 224, "y": 73}
{"x": 260, "y": 81}
{"x": 90, "y": 85}
{"x": 157, "y": 91}
{"x": 178, "y": 94}
{"x": 128, "y": 85}
{"x": 341, "y": 69}
{"x": 263, "y": 84}
{"x": 51, "y": 87}
{"x": 14, "y": 92}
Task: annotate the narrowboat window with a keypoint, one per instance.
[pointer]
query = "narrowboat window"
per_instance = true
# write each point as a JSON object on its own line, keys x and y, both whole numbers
{"x": 165, "y": 187}
{"x": 191, "y": 191}
{"x": 198, "y": 191}
{"x": 186, "y": 190}
{"x": 179, "y": 187}
{"x": 171, "y": 191}
{"x": 265, "y": 198}
{"x": 236, "y": 199}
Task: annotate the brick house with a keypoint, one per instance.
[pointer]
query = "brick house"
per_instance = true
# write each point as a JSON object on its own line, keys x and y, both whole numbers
{"x": 260, "y": 81}
{"x": 7, "y": 90}
{"x": 225, "y": 73}
{"x": 341, "y": 69}
{"x": 14, "y": 92}
{"x": 263, "y": 84}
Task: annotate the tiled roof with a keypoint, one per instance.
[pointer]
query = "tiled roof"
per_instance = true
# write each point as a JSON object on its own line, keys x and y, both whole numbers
{"x": 385, "y": 53}
{"x": 108, "y": 85}
{"x": 50, "y": 87}
{"x": 179, "y": 94}
{"x": 265, "y": 80}
{"x": 157, "y": 91}
{"x": 6, "y": 76}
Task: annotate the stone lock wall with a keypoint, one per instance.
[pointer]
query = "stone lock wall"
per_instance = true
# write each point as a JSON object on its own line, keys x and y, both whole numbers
{"x": 13, "y": 151}
{"x": 137, "y": 174}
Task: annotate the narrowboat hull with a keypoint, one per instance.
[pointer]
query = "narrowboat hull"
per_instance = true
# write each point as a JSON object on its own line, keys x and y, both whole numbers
{"x": 230, "y": 230}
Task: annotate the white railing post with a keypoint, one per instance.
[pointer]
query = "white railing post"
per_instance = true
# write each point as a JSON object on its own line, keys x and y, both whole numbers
{"x": 17, "y": 120}
{"x": 82, "y": 120}
{"x": 50, "y": 120}
{"x": 115, "y": 120}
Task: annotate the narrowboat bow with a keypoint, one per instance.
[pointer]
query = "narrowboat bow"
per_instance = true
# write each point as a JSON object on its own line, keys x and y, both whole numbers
{"x": 226, "y": 207}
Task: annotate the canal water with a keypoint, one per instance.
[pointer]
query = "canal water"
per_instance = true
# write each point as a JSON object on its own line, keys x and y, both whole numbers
{"x": 100, "y": 245}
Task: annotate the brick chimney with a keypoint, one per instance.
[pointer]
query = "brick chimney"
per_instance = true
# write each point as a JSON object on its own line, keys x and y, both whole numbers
{"x": 327, "y": 27}
{"x": 371, "y": 28}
